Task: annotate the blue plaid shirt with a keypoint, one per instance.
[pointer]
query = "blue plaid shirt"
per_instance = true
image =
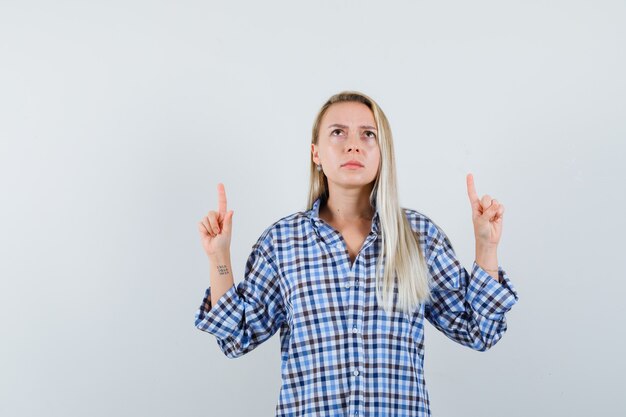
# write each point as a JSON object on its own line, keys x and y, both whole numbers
{"x": 342, "y": 354}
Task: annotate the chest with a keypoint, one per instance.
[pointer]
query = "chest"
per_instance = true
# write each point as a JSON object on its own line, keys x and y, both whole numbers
{"x": 354, "y": 237}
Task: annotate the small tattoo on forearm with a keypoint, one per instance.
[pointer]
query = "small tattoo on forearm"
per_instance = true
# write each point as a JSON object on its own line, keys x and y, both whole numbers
{"x": 222, "y": 269}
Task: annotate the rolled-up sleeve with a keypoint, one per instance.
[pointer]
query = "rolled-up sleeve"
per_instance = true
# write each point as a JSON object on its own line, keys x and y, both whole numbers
{"x": 248, "y": 313}
{"x": 468, "y": 308}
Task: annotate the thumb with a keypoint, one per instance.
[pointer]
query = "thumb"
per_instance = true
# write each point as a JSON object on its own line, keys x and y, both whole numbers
{"x": 228, "y": 221}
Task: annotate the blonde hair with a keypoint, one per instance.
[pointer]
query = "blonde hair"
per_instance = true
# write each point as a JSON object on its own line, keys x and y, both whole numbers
{"x": 400, "y": 244}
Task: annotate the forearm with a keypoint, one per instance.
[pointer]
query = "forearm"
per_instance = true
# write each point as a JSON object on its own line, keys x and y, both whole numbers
{"x": 487, "y": 259}
{"x": 221, "y": 275}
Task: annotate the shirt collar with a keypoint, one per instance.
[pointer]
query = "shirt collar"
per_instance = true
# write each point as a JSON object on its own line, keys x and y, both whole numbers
{"x": 314, "y": 214}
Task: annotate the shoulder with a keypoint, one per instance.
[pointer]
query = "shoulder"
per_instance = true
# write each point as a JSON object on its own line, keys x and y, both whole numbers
{"x": 425, "y": 227}
{"x": 281, "y": 231}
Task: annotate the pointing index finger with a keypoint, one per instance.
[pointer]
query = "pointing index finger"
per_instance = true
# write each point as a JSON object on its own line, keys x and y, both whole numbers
{"x": 471, "y": 190}
{"x": 221, "y": 198}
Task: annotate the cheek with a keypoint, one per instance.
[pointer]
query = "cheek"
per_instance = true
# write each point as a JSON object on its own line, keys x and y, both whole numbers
{"x": 377, "y": 159}
{"x": 373, "y": 162}
{"x": 376, "y": 155}
{"x": 334, "y": 153}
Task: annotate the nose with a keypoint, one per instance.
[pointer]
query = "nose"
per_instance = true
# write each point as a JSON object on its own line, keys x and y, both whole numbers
{"x": 352, "y": 144}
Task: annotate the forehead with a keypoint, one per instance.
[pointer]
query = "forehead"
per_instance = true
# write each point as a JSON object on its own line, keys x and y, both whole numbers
{"x": 348, "y": 112}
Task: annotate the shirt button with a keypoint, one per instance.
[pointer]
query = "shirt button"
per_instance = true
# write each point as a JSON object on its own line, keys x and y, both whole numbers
{"x": 338, "y": 245}
{"x": 354, "y": 329}
{"x": 356, "y": 373}
{"x": 356, "y": 283}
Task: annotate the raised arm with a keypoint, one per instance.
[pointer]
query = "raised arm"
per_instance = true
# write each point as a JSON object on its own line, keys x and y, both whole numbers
{"x": 243, "y": 316}
{"x": 470, "y": 307}
{"x": 215, "y": 232}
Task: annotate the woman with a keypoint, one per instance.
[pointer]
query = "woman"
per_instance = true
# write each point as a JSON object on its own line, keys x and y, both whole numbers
{"x": 350, "y": 280}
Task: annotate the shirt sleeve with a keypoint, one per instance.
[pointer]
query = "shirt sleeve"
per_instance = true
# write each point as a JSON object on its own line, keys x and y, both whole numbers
{"x": 248, "y": 313}
{"x": 468, "y": 308}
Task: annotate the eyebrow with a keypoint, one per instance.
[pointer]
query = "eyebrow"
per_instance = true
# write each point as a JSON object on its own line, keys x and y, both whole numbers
{"x": 345, "y": 127}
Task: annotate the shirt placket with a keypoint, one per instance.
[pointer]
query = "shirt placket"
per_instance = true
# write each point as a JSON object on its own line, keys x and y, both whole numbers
{"x": 355, "y": 290}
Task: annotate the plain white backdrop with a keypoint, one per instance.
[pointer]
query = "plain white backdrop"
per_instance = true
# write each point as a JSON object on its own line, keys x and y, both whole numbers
{"x": 119, "y": 118}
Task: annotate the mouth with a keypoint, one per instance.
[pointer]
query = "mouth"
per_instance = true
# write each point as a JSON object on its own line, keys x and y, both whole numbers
{"x": 353, "y": 164}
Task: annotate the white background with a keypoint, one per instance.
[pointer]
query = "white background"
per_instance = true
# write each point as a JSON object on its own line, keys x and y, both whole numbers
{"x": 119, "y": 118}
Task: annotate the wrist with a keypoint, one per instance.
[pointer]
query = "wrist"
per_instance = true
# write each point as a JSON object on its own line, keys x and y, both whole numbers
{"x": 487, "y": 257}
{"x": 486, "y": 248}
{"x": 219, "y": 257}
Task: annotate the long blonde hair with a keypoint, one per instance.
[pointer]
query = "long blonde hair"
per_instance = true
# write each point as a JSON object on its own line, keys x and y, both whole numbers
{"x": 400, "y": 244}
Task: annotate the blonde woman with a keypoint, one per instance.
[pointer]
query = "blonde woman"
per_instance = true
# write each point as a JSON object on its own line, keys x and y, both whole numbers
{"x": 350, "y": 280}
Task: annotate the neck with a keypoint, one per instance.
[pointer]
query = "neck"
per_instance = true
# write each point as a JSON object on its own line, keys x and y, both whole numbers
{"x": 348, "y": 207}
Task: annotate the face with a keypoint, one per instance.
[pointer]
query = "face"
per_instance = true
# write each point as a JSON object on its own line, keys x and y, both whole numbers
{"x": 348, "y": 132}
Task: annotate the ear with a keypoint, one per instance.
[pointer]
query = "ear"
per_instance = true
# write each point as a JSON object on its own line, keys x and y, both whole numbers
{"x": 315, "y": 154}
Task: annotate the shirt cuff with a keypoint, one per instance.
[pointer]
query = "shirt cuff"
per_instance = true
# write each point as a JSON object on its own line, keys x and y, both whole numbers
{"x": 218, "y": 319}
{"x": 488, "y": 297}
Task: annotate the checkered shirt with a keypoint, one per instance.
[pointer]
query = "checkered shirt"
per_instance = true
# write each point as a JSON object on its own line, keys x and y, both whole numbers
{"x": 342, "y": 354}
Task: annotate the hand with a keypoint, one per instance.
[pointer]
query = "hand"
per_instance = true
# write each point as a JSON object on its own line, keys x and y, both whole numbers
{"x": 215, "y": 228}
{"x": 486, "y": 215}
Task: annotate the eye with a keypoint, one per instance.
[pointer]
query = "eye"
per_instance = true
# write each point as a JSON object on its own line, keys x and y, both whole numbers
{"x": 370, "y": 134}
{"x": 336, "y": 130}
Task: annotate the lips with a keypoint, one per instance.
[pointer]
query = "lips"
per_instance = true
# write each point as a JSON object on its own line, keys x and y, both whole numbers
{"x": 353, "y": 162}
